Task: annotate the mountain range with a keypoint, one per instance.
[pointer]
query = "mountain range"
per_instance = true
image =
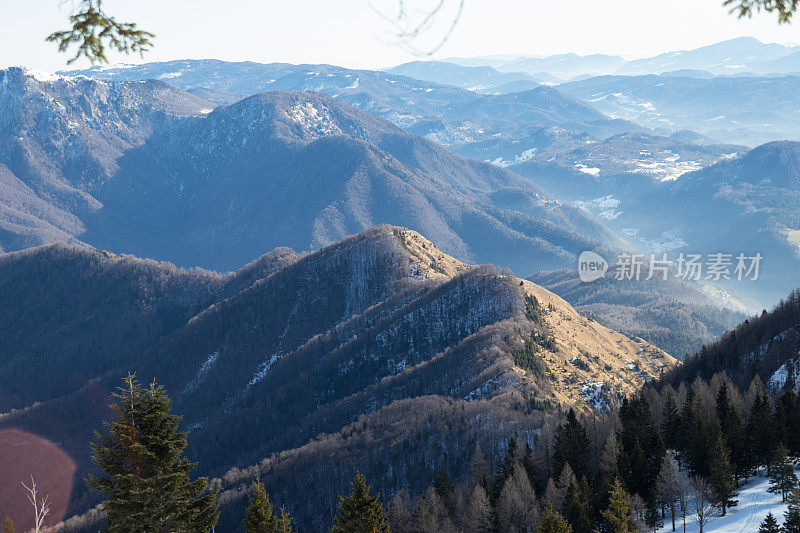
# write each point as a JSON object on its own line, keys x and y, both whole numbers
{"x": 562, "y": 66}
{"x": 481, "y": 79}
{"x": 502, "y": 128}
{"x": 747, "y": 110}
{"x": 334, "y": 270}
{"x": 297, "y": 358}
{"x": 542, "y": 125}
{"x": 410, "y": 103}
{"x": 730, "y": 57}
{"x": 736, "y": 91}
{"x": 149, "y": 169}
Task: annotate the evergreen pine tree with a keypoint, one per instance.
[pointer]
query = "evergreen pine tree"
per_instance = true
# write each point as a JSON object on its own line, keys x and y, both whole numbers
{"x": 640, "y": 444}
{"x": 779, "y": 423}
{"x": 759, "y": 433}
{"x": 259, "y": 517}
{"x": 686, "y": 436}
{"x": 577, "y": 507}
{"x": 723, "y": 485}
{"x": 528, "y": 462}
{"x": 572, "y": 446}
{"x": 791, "y": 518}
{"x": 144, "y": 474}
{"x": 699, "y": 453}
{"x": 552, "y": 522}
{"x": 360, "y": 512}
{"x": 506, "y": 467}
{"x": 618, "y": 515}
{"x": 769, "y": 525}
{"x": 284, "y": 522}
{"x": 652, "y": 517}
{"x": 723, "y": 406}
{"x": 731, "y": 425}
{"x": 782, "y": 478}
{"x": 670, "y": 423}
{"x": 794, "y": 425}
{"x": 444, "y": 487}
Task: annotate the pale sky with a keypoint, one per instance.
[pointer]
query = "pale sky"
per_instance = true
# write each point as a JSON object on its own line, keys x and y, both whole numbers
{"x": 349, "y": 32}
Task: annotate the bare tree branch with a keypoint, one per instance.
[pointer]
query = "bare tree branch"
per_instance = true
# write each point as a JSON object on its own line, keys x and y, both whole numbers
{"x": 407, "y": 31}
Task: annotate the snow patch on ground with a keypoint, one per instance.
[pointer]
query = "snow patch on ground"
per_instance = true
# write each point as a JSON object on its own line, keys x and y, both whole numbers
{"x": 202, "y": 372}
{"x": 788, "y": 369}
{"x": 668, "y": 169}
{"x": 519, "y": 158}
{"x": 416, "y": 271}
{"x": 592, "y": 393}
{"x": 40, "y": 75}
{"x": 317, "y": 120}
{"x": 262, "y": 371}
{"x": 605, "y": 207}
{"x": 754, "y": 505}
{"x": 404, "y": 120}
{"x": 594, "y": 171}
{"x": 169, "y": 75}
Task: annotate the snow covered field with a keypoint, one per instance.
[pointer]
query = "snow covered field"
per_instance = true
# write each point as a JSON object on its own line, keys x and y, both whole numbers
{"x": 754, "y": 505}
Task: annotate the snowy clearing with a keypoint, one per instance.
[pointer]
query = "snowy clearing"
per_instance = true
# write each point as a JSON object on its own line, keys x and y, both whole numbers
{"x": 754, "y": 505}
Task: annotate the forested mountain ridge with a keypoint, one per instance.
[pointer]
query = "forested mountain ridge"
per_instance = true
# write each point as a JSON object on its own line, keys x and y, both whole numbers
{"x": 146, "y": 168}
{"x": 61, "y": 140}
{"x": 766, "y": 345}
{"x": 263, "y": 360}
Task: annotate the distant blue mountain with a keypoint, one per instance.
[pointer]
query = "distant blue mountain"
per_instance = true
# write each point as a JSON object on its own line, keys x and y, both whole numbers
{"x": 481, "y": 79}
{"x": 744, "y": 54}
{"x": 563, "y": 66}
{"x": 735, "y": 109}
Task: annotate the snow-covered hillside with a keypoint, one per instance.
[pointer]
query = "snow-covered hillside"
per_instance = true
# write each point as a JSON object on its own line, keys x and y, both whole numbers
{"x": 755, "y": 502}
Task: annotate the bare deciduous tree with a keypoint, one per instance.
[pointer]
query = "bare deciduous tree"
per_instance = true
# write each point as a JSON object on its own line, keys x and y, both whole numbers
{"x": 478, "y": 514}
{"x": 638, "y": 507}
{"x": 684, "y": 488}
{"x": 700, "y": 498}
{"x": 41, "y": 508}
{"x": 516, "y": 506}
{"x": 668, "y": 485}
